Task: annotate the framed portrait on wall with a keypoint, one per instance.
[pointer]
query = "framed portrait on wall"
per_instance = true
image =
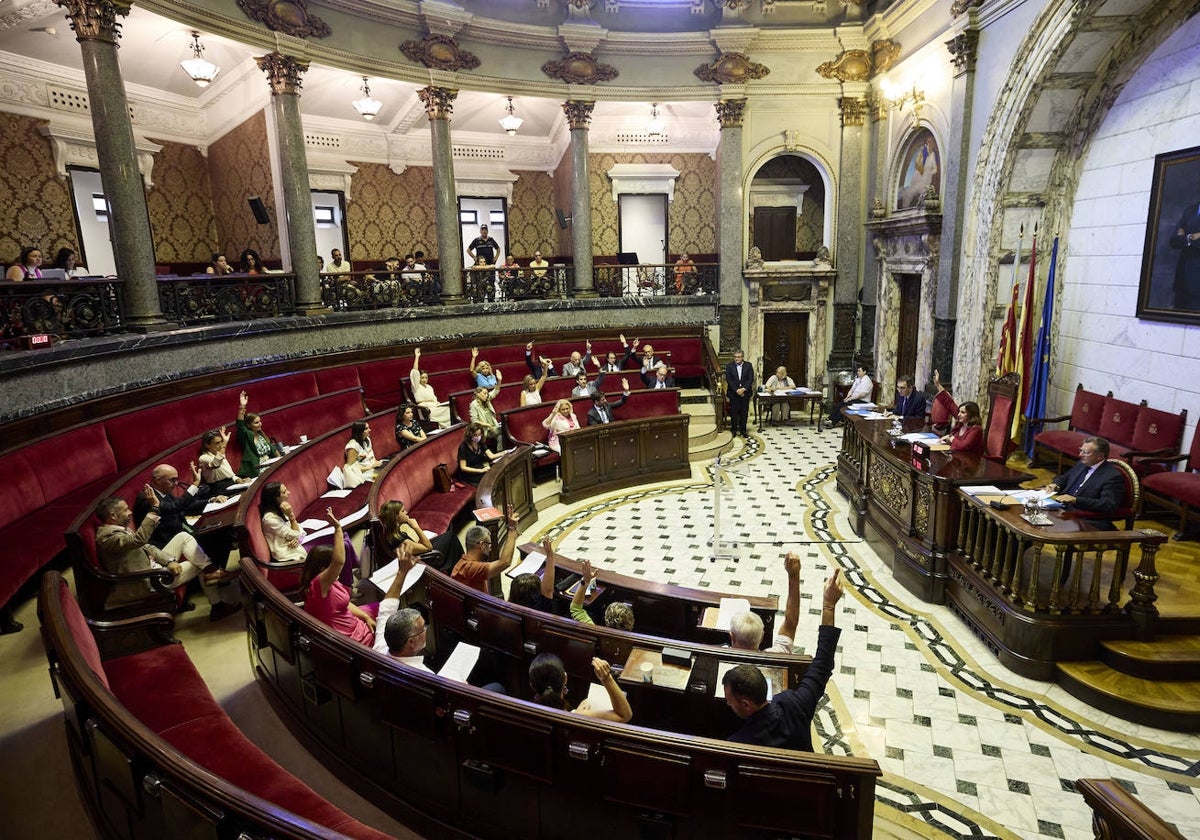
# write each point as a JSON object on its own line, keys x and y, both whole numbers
{"x": 920, "y": 169}
{"x": 1170, "y": 284}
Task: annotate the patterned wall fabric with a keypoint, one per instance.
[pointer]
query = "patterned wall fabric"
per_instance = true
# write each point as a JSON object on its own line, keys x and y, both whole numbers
{"x": 35, "y": 203}
{"x": 390, "y": 214}
{"x": 531, "y": 220}
{"x": 810, "y": 220}
{"x": 691, "y": 217}
{"x": 180, "y": 206}
{"x": 239, "y": 166}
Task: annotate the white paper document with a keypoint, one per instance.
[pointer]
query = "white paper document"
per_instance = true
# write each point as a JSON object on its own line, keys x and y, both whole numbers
{"x": 313, "y": 524}
{"x": 237, "y": 488}
{"x": 336, "y": 494}
{"x": 386, "y": 575}
{"x": 598, "y": 698}
{"x": 530, "y": 565}
{"x": 211, "y": 507}
{"x": 461, "y": 661}
{"x": 729, "y": 608}
{"x": 323, "y": 532}
{"x": 914, "y": 436}
{"x": 357, "y": 516}
{"x": 983, "y": 490}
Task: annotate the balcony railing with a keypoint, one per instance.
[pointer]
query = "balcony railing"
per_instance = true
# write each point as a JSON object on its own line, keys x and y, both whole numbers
{"x": 364, "y": 290}
{"x": 504, "y": 284}
{"x": 647, "y": 280}
{"x": 62, "y": 308}
{"x": 231, "y": 297}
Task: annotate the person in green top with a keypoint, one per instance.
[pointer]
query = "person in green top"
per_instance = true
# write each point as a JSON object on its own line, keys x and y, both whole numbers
{"x": 256, "y": 446}
{"x": 617, "y": 615}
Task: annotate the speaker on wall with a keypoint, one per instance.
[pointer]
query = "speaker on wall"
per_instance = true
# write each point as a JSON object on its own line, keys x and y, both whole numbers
{"x": 259, "y": 210}
{"x": 562, "y": 218}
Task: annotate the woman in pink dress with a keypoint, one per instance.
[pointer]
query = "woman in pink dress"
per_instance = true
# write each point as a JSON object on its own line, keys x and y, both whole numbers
{"x": 562, "y": 419}
{"x": 326, "y": 598}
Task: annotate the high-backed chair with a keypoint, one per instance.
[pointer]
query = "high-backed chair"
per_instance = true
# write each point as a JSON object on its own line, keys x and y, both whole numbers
{"x": 1002, "y": 406}
{"x": 1178, "y": 490}
{"x": 1130, "y": 502}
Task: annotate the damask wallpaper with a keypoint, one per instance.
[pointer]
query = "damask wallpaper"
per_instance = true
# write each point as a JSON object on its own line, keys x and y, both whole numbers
{"x": 390, "y": 214}
{"x": 35, "y": 203}
{"x": 691, "y": 217}
{"x": 180, "y": 206}
{"x": 531, "y": 220}
{"x": 239, "y": 166}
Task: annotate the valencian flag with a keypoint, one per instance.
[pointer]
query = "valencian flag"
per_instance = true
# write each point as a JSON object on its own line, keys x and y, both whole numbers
{"x": 1025, "y": 337}
{"x": 1039, "y": 374}
{"x": 1006, "y": 361}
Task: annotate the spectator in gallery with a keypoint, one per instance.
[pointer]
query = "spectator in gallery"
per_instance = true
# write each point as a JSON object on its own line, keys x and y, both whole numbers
{"x": 538, "y": 265}
{"x": 337, "y": 265}
{"x": 67, "y": 260}
{"x": 483, "y": 249}
{"x": 251, "y": 263}
{"x": 27, "y": 267}
{"x": 219, "y": 266}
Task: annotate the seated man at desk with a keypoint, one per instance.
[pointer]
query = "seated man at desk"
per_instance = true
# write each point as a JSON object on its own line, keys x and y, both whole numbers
{"x": 780, "y": 383}
{"x": 475, "y": 568}
{"x": 909, "y": 401}
{"x": 786, "y": 720}
{"x": 746, "y": 629}
{"x": 1092, "y": 485}
{"x": 602, "y": 410}
{"x": 400, "y": 633}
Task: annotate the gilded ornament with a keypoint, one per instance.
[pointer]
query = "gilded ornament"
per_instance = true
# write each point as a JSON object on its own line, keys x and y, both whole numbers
{"x": 95, "y": 19}
{"x": 439, "y": 101}
{"x": 579, "y": 69}
{"x": 730, "y": 112}
{"x": 290, "y": 17}
{"x": 579, "y": 113}
{"x": 439, "y": 52}
{"x": 731, "y": 69}
{"x": 283, "y": 72}
{"x": 860, "y": 65}
{"x": 960, "y": 6}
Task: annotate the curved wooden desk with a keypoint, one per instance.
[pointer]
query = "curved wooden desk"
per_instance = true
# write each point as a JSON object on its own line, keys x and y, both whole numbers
{"x": 625, "y": 453}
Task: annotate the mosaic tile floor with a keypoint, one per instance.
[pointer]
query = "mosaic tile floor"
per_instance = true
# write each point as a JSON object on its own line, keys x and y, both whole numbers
{"x": 967, "y": 748}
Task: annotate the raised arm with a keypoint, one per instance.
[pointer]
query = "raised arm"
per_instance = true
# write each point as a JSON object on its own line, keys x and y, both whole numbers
{"x": 791, "y": 609}
{"x": 243, "y": 401}
{"x": 585, "y": 581}
{"x": 548, "y": 570}
{"x": 510, "y": 544}
{"x": 334, "y": 568}
{"x": 832, "y": 594}
{"x": 414, "y": 376}
{"x": 407, "y": 562}
{"x": 621, "y": 712}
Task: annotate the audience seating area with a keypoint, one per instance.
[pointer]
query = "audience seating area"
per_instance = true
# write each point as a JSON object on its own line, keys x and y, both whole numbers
{"x": 1140, "y": 435}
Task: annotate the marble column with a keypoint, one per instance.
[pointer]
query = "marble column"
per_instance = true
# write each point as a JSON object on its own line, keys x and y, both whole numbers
{"x": 848, "y": 236}
{"x": 731, "y": 245}
{"x": 877, "y": 198}
{"x": 97, "y": 29}
{"x": 283, "y": 75}
{"x": 439, "y": 104}
{"x": 579, "y": 117}
{"x": 963, "y": 48}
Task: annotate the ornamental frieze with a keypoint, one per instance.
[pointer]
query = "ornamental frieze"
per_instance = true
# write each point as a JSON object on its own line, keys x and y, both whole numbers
{"x": 290, "y": 17}
{"x": 579, "y": 69}
{"x": 439, "y": 52}
{"x": 732, "y": 68}
{"x": 861, "y": 65}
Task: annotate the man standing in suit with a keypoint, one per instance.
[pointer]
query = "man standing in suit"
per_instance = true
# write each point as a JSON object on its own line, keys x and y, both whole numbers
{"x": 909, "y": 401}
{"x": 602, "y": 410}
{"x": 739, "y": 386}
{"x": 1092, "y": 485}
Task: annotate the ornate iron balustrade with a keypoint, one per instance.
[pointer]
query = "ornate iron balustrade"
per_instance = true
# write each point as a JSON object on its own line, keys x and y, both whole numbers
{"x": 63, "y": 308}
{"x": 656, "y": 280}
{"x": 504, "y": 284}
{"x": 364, "y": 290}
{"x": 231, "y": 297}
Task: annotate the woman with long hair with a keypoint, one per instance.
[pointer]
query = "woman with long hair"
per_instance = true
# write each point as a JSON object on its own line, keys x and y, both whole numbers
{"x": 256, "y": 446}
{"x": 474, "y": 456}
{"x": 399, "y": 527}
{"x": 408, "y": 431}
{"x": 328, "y": 599}
{"x": 359, "y": 455}
{"x": 219, "y": 265}
{"x": 484, "y": 414}
{"x": 28, "y": 265}
{"x": 67, "y": 261}
{"x": 423, "y": 393}
{"x": 548, "y": 679}
{"x": 967, "y": 434}
{"x": 280, "y": 527}
{"x": 251, "y": 263}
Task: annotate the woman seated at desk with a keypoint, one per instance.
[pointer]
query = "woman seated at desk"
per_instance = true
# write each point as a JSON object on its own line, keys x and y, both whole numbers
{"x": 967, "y": 435}
{"x": 423, "y": 393}
{"x": 548, "y": 679}
{"x": 408, "y": 431}
{"x": 399, "y": 527}
{"x": 562, "y": 419}
{"x": 215, "y": 470}
{"x": 328, "y": 599}
{"x": 474, "y": 456}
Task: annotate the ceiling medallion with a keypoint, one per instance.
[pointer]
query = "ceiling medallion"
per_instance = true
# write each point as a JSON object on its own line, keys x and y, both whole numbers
{"x": 860, "y": 65}
{"x": 731, "y": 69}
{"x": 290, "y": 17}
{"x": 579, "y": 69}
{"x": 439, "y": 52}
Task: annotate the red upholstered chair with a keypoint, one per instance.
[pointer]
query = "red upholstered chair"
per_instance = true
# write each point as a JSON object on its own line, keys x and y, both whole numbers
{"x": 1002, "y": 406}
{"x": 1157, "y": 435}
{"x": 1178, "y": 490}
{"x": 1130, "y": 504}
{"x": 1087, "y": 413}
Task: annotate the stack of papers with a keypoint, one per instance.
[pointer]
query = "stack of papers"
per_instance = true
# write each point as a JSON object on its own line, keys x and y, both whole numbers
{"x": 729, "y": 608}
{"x": 531, "y": 565}
{"x": 462, "y": 660}
{"x": 912, "y": 436}
{"x": 386, "y": 576}
{"x": 212, "y": 507}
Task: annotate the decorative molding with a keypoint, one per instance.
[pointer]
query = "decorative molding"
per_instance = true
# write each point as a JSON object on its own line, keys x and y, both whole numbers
{"x": 884, "y": 55}
{"x": 22, "y": 16}
{"x": 439, "y": 52}
{"x": 283, "y": 72}
{"x": 964, "y": 49}
{"x": 439, "y": 102}
{"x": 290, "y": 17}
{"x": 484, "y": 180}
{"x": 958, "y": 7}
{"x": 579, "y": 69}
{"x": 579, "y": 113}
{"x": 731, "y": 112}
{"x": 853, "y": 109}
{"x": 96, "y": 20}
{"x": 331, "y": 174}
{"x": 77, "y": 147}
{"x": 731, "y": 68}
{"x": 860, "y": 65}
{"x": 643, "y": 179}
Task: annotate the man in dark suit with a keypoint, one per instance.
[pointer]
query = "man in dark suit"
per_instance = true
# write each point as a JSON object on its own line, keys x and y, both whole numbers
{"x": 909, "y": 401}
{"x": 1093, "y": 485}
{"x": 650, "y": 362}
{"x": 602, "y": 410}
{"x": 661, "y": 378}
{"x": 739, "y": 387}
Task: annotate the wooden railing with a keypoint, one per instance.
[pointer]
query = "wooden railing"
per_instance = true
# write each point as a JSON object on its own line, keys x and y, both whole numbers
{"x": 1118, "y": 815}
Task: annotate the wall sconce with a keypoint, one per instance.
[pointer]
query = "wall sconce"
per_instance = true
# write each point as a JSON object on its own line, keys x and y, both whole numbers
{"x": 367, "y": 107}
{"x": 201, "y": 71}
{"x": 896, "y": 101}
{"x": 656, "y": 126}
{"x": 511, "y": 123}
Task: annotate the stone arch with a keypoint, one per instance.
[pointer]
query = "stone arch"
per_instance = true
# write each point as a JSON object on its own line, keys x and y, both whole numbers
{"x": 1063, "y": 81}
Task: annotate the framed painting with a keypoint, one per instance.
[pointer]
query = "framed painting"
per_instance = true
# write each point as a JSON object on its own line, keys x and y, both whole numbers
{"x": 1170, "y": 284}
{"x": 920, "y": 169}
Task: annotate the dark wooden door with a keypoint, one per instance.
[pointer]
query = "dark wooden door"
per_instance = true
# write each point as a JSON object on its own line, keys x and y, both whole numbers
{"x": 775, "y": 232}
{"x": 785, "y": 342}
{"x": 910, "y": 313}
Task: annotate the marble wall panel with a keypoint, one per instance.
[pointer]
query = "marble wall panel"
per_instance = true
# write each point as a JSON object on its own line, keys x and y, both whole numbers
{"x": 390, "y": 214}
{"x": 35, "y": 203}
{"x": 239, "y": 166}
{"x": 180, "y": 205}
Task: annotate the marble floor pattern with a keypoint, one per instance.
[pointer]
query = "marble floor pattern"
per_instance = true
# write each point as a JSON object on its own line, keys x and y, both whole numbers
{"x": 967, "y": 748}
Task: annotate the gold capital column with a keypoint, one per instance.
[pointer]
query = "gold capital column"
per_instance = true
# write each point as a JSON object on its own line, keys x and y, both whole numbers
{"x": 97, "y": 29}
{"x": 731, "y": 248}
{"x": 579, "y": 117}
{"x": 439, "y": 105}
{"x": 283, "y": 75}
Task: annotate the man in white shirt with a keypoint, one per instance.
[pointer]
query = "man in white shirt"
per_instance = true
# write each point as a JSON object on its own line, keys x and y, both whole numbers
{"x": 746, "y": 629}
{"x": 400, "y": 633}
{"x": 860, "y": 391}
{"x": 338, "y": 265}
